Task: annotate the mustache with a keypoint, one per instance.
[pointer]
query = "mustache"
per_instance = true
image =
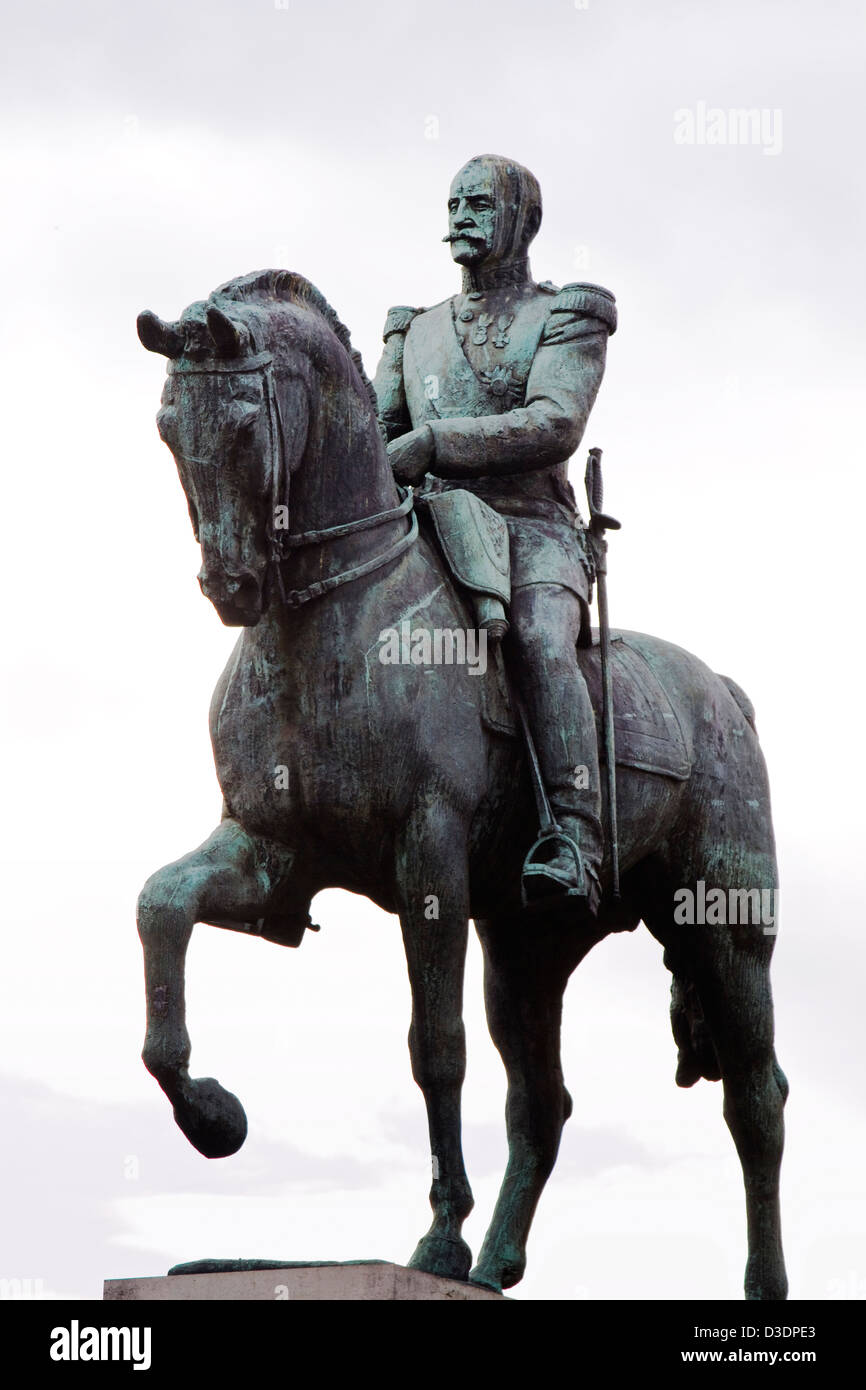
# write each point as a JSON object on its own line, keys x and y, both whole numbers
{"x": 464, "y": 236}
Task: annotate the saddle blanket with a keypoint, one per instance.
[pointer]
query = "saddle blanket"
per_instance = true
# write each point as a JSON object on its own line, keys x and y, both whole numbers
{"x": 647, "y": 732}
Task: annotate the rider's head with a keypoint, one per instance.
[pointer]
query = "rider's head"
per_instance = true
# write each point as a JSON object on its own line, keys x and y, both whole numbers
{"x": 494, "y": 211}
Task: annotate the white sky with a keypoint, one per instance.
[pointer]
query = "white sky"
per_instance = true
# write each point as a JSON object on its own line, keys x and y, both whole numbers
{"x": 151, "y": 152}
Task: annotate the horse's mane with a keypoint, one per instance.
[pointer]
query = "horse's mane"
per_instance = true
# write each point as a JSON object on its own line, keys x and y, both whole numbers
{"x": 289, "y": 285}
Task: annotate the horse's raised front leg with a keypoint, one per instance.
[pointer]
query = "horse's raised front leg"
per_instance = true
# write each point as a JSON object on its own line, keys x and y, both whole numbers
{"x": 527, "y": 962}
{"x": 434, "y": 911}
{"x": 225, "y": 879}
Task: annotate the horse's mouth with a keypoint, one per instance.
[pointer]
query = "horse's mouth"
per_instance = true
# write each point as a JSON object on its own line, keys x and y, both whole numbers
{"x": 237, "y": 601}
{"x": 233, "y": 616}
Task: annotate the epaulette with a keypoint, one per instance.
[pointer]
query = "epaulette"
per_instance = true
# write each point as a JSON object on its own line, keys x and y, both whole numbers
{"x": 398, "y": 320}
{"x": 590, "y": 301}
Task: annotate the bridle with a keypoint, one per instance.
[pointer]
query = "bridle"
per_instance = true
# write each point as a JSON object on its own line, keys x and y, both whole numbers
{"x": 280, "y": 540}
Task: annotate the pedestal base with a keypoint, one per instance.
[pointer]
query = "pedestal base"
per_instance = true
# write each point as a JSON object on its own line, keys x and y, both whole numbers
{"x": 305, "y": 1283}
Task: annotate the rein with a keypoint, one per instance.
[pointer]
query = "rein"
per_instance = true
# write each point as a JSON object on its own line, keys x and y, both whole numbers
{"x": 278, "y": 540}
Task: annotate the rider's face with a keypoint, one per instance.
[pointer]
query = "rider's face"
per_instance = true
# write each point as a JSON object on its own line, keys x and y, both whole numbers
{"x": 471, "y": 215}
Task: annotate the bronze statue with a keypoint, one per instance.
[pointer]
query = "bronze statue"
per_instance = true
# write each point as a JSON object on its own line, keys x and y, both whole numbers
{"x": 515, "y": 368}
{"x": 405, "y": 780}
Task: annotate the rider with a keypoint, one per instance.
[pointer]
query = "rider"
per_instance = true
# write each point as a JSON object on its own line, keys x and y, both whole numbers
{"x": 490, "y": 391}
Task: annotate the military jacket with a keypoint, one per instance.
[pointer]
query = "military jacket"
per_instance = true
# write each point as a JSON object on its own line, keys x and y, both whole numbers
{"x": 506, "y": 379}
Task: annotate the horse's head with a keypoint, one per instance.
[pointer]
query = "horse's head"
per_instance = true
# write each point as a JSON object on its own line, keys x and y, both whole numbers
{"x": 246, "y": 370}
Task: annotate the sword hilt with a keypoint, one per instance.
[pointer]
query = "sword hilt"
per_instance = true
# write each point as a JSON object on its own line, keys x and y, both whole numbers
{"x": 598, "y": 521}
{"x": 593, "y": 480}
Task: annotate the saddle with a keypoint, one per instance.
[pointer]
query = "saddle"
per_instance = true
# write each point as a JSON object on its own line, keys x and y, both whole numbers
{"x": 473, "y": 539}
{"x": 648, "y": 733}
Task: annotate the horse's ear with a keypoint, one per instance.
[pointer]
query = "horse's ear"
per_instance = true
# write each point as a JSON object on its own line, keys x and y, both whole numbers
{"x": 225, "y": 334}
{"x": 158, "y": 336}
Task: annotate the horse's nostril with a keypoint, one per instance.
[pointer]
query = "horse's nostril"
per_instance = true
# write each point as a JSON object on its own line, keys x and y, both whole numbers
{"x": 241, "y": 590}
{"x": 243, "y": 587}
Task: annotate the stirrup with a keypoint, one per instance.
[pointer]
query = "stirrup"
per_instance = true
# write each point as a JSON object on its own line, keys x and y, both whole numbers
{"x": 555, "y": 895}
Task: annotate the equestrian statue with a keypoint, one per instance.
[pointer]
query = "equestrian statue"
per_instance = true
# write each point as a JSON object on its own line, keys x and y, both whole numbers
{"x": 366, "y": 537}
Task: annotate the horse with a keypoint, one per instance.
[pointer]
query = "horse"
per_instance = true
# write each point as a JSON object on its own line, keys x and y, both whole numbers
{"x": 339, "y": 770}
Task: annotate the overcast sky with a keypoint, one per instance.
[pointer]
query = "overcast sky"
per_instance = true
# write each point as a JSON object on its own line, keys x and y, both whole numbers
{"x": 151, "y": 152}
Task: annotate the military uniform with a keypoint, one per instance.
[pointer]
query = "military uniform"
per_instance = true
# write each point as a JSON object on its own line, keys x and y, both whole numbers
{"x": 492, "y": 390}
{"x": 505, "y": 378}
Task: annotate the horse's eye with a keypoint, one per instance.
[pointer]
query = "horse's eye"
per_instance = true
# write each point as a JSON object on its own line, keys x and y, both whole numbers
{"x": 166, "y": 420}
{"x": 243, "y": 415}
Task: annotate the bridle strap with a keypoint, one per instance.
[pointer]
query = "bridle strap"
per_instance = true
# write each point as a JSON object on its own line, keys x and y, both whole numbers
{"x": 231, "y": 367}
{"x": 280, "y": 540}
{"x": 348, "y": 528}
{"x": 280, "y": 479}
{"x": 293, "y": 598}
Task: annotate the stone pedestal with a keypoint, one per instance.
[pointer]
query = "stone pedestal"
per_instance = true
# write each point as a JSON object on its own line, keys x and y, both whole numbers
{"x": 306, "y": 1283}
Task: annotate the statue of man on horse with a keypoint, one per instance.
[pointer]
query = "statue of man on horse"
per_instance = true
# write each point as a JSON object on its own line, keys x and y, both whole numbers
{"x": 406, "y": 782}
{"x": 490, "y": 391}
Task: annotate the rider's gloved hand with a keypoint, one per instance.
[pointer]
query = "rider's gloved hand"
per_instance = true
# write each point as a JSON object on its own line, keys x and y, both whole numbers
{"x": 411, "y": 455}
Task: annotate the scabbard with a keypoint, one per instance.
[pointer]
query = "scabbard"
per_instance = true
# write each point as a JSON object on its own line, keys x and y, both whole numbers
{"x": 607, "y": 724}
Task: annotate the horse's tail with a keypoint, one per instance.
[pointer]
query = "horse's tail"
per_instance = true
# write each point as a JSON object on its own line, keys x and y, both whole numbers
{"x": 742, "y": 699}
{"x": 697, "y": 1053}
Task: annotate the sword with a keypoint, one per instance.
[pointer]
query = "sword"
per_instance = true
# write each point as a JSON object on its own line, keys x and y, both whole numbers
{"x": 598, "y": 524}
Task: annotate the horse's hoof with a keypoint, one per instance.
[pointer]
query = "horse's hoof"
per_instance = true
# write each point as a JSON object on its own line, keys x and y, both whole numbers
{"x": 484, "y": 1281}
{"x": 212, "y": 1119}
{"x": 771, "y": 1289}
{"x": 501, "y": 1273}
{"x": 775, "y": 1293}
{"x": 447, "y": 1256}
{"x": 513, "y": 1273}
